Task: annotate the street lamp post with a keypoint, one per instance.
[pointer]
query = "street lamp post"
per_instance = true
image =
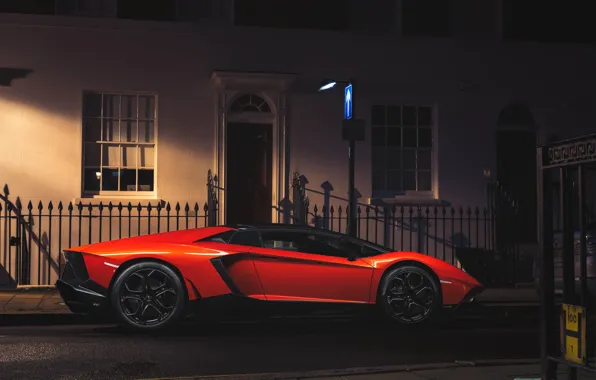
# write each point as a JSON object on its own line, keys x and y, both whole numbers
{"x": 352, "y": 131}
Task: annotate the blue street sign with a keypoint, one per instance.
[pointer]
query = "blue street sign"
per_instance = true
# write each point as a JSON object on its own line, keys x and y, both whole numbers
{"x": 348, "y": 102}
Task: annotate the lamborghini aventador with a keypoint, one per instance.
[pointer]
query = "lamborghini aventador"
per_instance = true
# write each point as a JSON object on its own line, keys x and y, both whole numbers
{"x": 148, "y": 282}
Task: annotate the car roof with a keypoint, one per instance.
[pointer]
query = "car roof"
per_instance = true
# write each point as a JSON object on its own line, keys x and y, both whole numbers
{"x": 280, "y": 226}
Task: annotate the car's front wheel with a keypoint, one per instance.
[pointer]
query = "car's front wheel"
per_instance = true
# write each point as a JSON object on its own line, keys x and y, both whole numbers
{"x": 410, "y": 295}
{"x": 148, "y": 296}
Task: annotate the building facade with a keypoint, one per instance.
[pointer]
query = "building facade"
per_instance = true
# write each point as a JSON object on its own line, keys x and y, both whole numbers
{"x": 108, "y": 109}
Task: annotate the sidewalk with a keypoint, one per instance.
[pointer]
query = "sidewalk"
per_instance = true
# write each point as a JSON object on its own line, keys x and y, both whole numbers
{"x": 46, "y": 300}
{"x": 488, "y": 370}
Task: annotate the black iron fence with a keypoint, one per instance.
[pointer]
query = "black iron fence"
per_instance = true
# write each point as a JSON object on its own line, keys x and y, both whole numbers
{"x": 33, "y": 236}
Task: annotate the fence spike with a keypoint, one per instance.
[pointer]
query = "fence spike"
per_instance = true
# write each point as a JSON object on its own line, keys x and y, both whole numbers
{"x": 205, "y": 207}
{"x": 80, "y": 206}
{"x": 149, "y": 208}
{"x": 358, "y": 211}
{"x": 60, "y": 206}
{"x": 168, "y": 207}
{"x": 324, "y": 209}
{"x": 19, "y": 204}
{"x": 186, "y": 207}
{"x": 376, "y": 210}
{"x": 196, "y": 208}
{"x": 70, "y": 207}
{"x": 332, "y": 210}
{"x": 315, "y": 209}
{"x": 90, "y": 207}
{"x": 0, "y": 207}
{"x": 476, "y": 211}
{"x": 469, "y": 211}
{"x": 40, "y": 206}
{"x": 158, "y": 206}
{"x": 139, "y": 207}
{"x": 427, "y": 211}
{"x": 110, "y": 206}
{"x": 129, "y": 207}
{"x": 100, "y": 206}
{"x": 50, "y": 206}
{"x": 120, "y": 206}
{"x": 177, "y": 208}
{"x": 5, "y": 190}
{"x": 339, "y": 210}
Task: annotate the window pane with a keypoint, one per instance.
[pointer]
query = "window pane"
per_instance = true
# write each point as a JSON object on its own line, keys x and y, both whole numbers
{"x": 129, "y": 107}
{"x": 394, "y": 136}
{"x": 146, "y": 131}
{"x": 378, "y": 136}
{"x": 424, "y": 159}
{"x": 410, "y": 137}
{"x": 129, "y": 157}
{"x": 128, "y": 130}
{"x": 111, "y": 106}
{"x": 92, "y": 130}
{"x": 146, "y": 107}
{"x": 425, "y": 116}
{"x": 394, "y": 181}
{"x": 409, "y": 115}
{"x": 393, "y": 115}
{"x": 378, "y": 115}
{"x": 409, "y": 180}
{"x": 425, "y": 137}
{"x": 91, "y": 180}
{"x": 109, "y": 179}
{"x": 409, "y": 159}
{"x": 378, "y": 157}
{"x": 394, "y": 158}
{"x": 378, "y": 180}
{"x": 424, "y": 181}
{"x": 147, "y": 156}
{"x": 111, "y": 155}
{"x": 111, "y": 130}
{"x": 128, "y": 180}
{"x": 146, "y": 179}
{"x": 91, "y": 105}
{"x": 92, "y": 154}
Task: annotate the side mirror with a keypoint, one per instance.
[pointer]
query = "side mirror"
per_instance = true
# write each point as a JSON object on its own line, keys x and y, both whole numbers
{"x": 352, "y": 255}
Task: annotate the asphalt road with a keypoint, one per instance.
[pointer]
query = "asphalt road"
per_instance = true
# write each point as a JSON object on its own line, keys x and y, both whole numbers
{"x": 108, "y": 352}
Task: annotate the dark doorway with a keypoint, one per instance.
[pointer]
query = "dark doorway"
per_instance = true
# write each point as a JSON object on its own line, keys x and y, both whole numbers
{"x": 248, "y": 173}
{"x": 516, "y": 171}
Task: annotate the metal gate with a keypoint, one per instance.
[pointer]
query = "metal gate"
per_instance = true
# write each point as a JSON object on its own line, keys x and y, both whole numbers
{"x": 566, "y": 197}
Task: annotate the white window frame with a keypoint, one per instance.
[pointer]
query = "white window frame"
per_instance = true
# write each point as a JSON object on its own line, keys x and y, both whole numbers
{"x": 119, "y": 193}
{"x": 433, "y": 193}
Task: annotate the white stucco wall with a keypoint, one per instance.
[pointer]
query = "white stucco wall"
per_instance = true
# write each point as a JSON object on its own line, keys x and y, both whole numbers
{"x": 468, "y": 81}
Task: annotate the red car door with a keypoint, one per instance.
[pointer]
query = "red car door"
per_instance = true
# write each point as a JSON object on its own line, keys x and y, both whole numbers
{"x": 309, "y": 266}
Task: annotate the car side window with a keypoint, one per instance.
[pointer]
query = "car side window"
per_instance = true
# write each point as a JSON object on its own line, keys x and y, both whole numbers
{"x": 304, "y": 242}
{"x": 249, "y": 238}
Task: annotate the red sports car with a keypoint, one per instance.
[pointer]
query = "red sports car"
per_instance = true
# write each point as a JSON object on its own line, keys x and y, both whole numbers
{"x": 149, "y": 281}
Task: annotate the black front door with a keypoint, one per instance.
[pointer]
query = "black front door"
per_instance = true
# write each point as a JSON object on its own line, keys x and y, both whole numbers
{"x": 248, "y": 173}
{"x": 516, "y": 171}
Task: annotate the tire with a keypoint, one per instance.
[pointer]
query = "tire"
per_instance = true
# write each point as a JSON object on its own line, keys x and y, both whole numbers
{"x": 148, "y": 296}
{"x": 410, "y": 295}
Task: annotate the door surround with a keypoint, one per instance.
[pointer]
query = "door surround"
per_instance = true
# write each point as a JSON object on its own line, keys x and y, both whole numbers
{"x": 272, "y": 87}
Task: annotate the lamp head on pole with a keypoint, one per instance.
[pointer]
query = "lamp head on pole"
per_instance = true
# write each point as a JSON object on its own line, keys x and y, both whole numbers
{"x": 327, "y": 84}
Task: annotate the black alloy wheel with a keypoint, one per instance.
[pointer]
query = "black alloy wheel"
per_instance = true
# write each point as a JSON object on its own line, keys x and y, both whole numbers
{"x": 410, "y": 295}
{"x": 148, "y": 296}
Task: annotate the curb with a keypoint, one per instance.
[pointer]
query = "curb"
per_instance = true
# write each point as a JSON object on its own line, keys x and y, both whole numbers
{"x": 44, "y": 319}
{"x": 358, "y": 371}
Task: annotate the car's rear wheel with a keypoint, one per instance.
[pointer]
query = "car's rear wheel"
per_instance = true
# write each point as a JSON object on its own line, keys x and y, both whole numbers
{"x": 148, "y": 296}
{"x": 410, "y": 295}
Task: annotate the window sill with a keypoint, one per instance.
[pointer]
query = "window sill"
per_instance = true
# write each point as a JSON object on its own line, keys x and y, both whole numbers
{"x": 105, "y": 200}
{"x": 407, "y": 200}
